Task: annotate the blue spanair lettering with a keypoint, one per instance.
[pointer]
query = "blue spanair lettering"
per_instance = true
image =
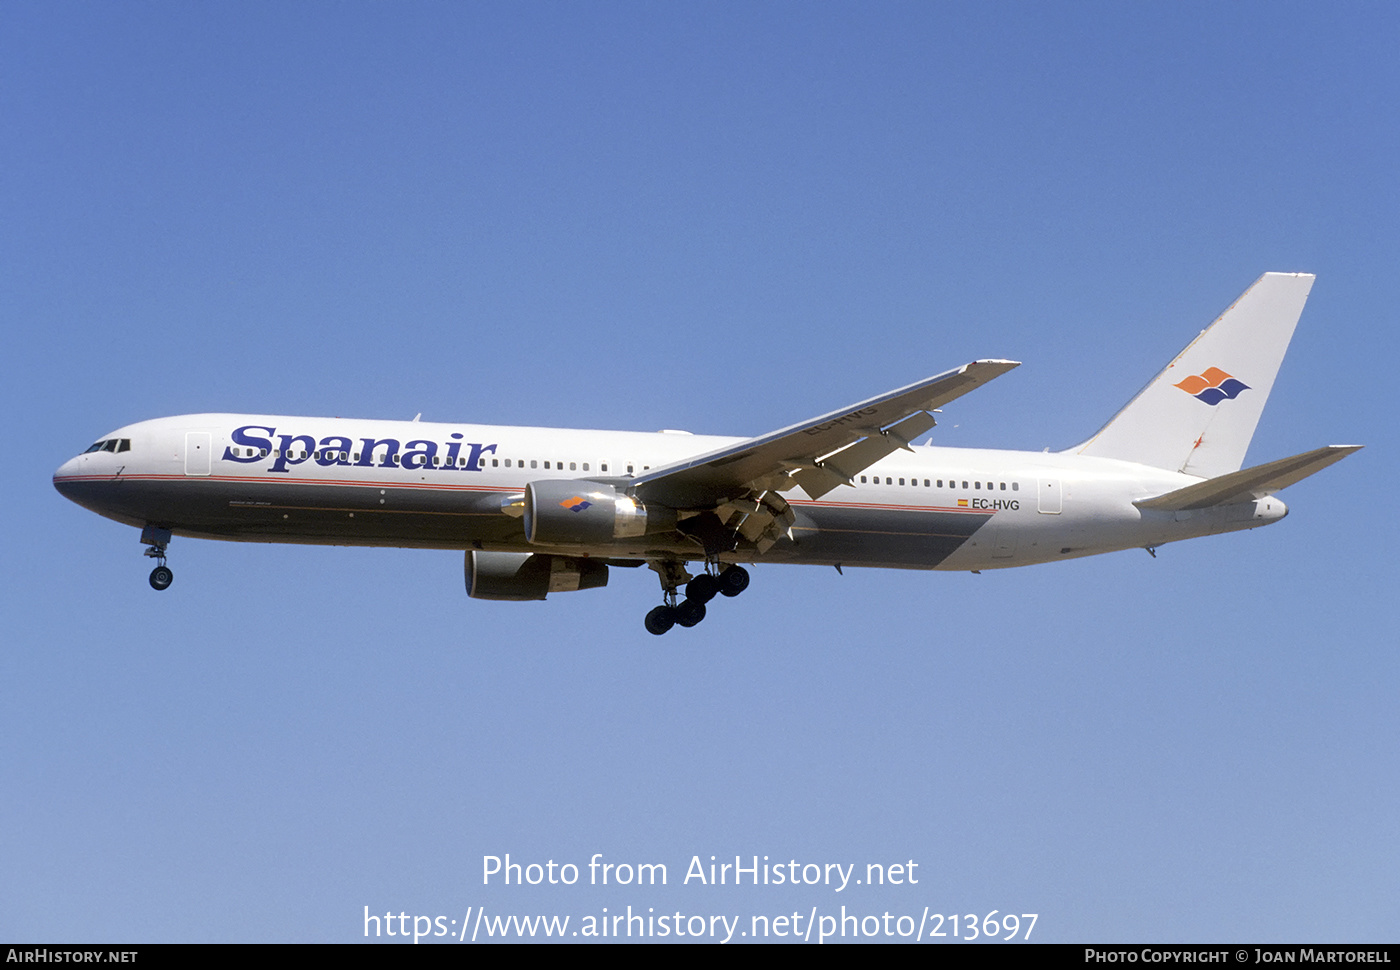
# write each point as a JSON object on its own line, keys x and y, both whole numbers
{"x": 293, "y": 449}
{"x": 332, "y": 449}
{"x": 284, "y": 454}
{"x": 391, "y": 452}
{"x": 243, "y": 439}
{"x": 453, "y": 447}
{"x": 419, "y": 457}
{"x": 474, "y": 459}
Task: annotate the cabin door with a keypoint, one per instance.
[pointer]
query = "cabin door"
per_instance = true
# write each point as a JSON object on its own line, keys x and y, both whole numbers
{"x": 198, "y": 452}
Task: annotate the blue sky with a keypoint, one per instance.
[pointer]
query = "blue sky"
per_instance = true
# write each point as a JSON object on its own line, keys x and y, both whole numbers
{"x": 723, "y": 218}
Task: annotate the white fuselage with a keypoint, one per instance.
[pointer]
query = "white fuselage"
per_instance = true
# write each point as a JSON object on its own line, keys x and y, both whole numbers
{"x": 353, "y": 482}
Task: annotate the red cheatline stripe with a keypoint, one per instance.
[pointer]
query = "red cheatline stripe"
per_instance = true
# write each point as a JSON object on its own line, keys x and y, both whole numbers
{"x": 465, "y": 487}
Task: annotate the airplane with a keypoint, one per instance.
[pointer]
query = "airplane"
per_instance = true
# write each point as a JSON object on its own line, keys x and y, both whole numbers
{"x": 546, "y": 510}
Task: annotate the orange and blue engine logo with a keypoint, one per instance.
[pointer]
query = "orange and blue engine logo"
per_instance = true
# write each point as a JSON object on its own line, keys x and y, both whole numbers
{"x": 1213, "y": 386}
{"x": 576, "y": 504}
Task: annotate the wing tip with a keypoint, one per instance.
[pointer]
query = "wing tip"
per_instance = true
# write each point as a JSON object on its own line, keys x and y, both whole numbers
{"x": 989, "y": 368}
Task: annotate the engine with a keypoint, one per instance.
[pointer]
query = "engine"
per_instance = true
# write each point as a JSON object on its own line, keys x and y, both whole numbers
{"x": 587, "y": 513}
{"x": 529, "y": 576}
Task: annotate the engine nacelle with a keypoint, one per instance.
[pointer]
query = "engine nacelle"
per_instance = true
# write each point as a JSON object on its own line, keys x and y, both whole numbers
{"x": 587, "y": 513}
{"x": 529, "y": 576}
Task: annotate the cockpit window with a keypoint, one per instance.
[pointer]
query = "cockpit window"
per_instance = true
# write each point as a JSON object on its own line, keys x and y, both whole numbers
{"x": 111, "y": 444}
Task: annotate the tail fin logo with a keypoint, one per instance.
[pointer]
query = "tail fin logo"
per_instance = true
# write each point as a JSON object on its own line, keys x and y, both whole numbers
{"x": 576, "y": 504}
{"x": 1213, "y": 386}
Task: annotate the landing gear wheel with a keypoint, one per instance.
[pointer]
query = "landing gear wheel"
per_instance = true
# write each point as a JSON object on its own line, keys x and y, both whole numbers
{"x": 660, "y": 620}
{"x": 690, "y": 612}
{"x": 161, "y": 577}
{"x": 733, "y": 580}
{"x": 702, "y": 588}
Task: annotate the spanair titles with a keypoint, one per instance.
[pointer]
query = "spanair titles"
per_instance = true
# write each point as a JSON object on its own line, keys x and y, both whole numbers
{"x": 253, "y": 443}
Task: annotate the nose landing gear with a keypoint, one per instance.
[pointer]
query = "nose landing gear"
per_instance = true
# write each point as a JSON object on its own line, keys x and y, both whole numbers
{"x": 156, "y": 540}
{"x": 161, "y": 577}
{"x": 732, "y": 581}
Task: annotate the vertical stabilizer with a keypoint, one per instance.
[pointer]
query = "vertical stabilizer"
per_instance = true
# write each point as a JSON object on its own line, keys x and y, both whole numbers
{"x": 1198, "y": 415}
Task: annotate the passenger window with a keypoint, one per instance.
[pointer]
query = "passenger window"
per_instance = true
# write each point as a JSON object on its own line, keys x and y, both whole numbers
{"x": 862, "y": 479}
{"x": 262, "y": 453}
{"x": 1015, "y": 486}
{"x": 1003, "y": 486}
{"x": 585, "y": 466}
{"x": 533, "y": 463}
{"x": 573, "y": 467}
{"x": 888, "y": 480}
{"x": 495, "y": 463}
{"x": 901, "y": 481}
{"x": 546, "y": 464}
{"x": 604, "y": 466}
{"x": 964, "y": 484}
{"x": 977, "y": 485}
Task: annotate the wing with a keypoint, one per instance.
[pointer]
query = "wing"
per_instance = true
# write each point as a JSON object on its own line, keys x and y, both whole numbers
{"x": 818, "y": 454}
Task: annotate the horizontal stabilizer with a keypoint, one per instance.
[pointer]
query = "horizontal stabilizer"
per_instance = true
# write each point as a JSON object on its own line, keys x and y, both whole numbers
{"x": 1248, "y": 483}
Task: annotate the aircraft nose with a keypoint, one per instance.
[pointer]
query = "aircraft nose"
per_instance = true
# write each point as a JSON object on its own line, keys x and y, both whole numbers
{"x": 62, "y": 478}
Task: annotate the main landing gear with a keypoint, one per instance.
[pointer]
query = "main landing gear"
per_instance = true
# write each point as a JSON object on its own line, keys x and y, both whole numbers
{"x": 732, "y": 581}
{"x": 157, "y": 539}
